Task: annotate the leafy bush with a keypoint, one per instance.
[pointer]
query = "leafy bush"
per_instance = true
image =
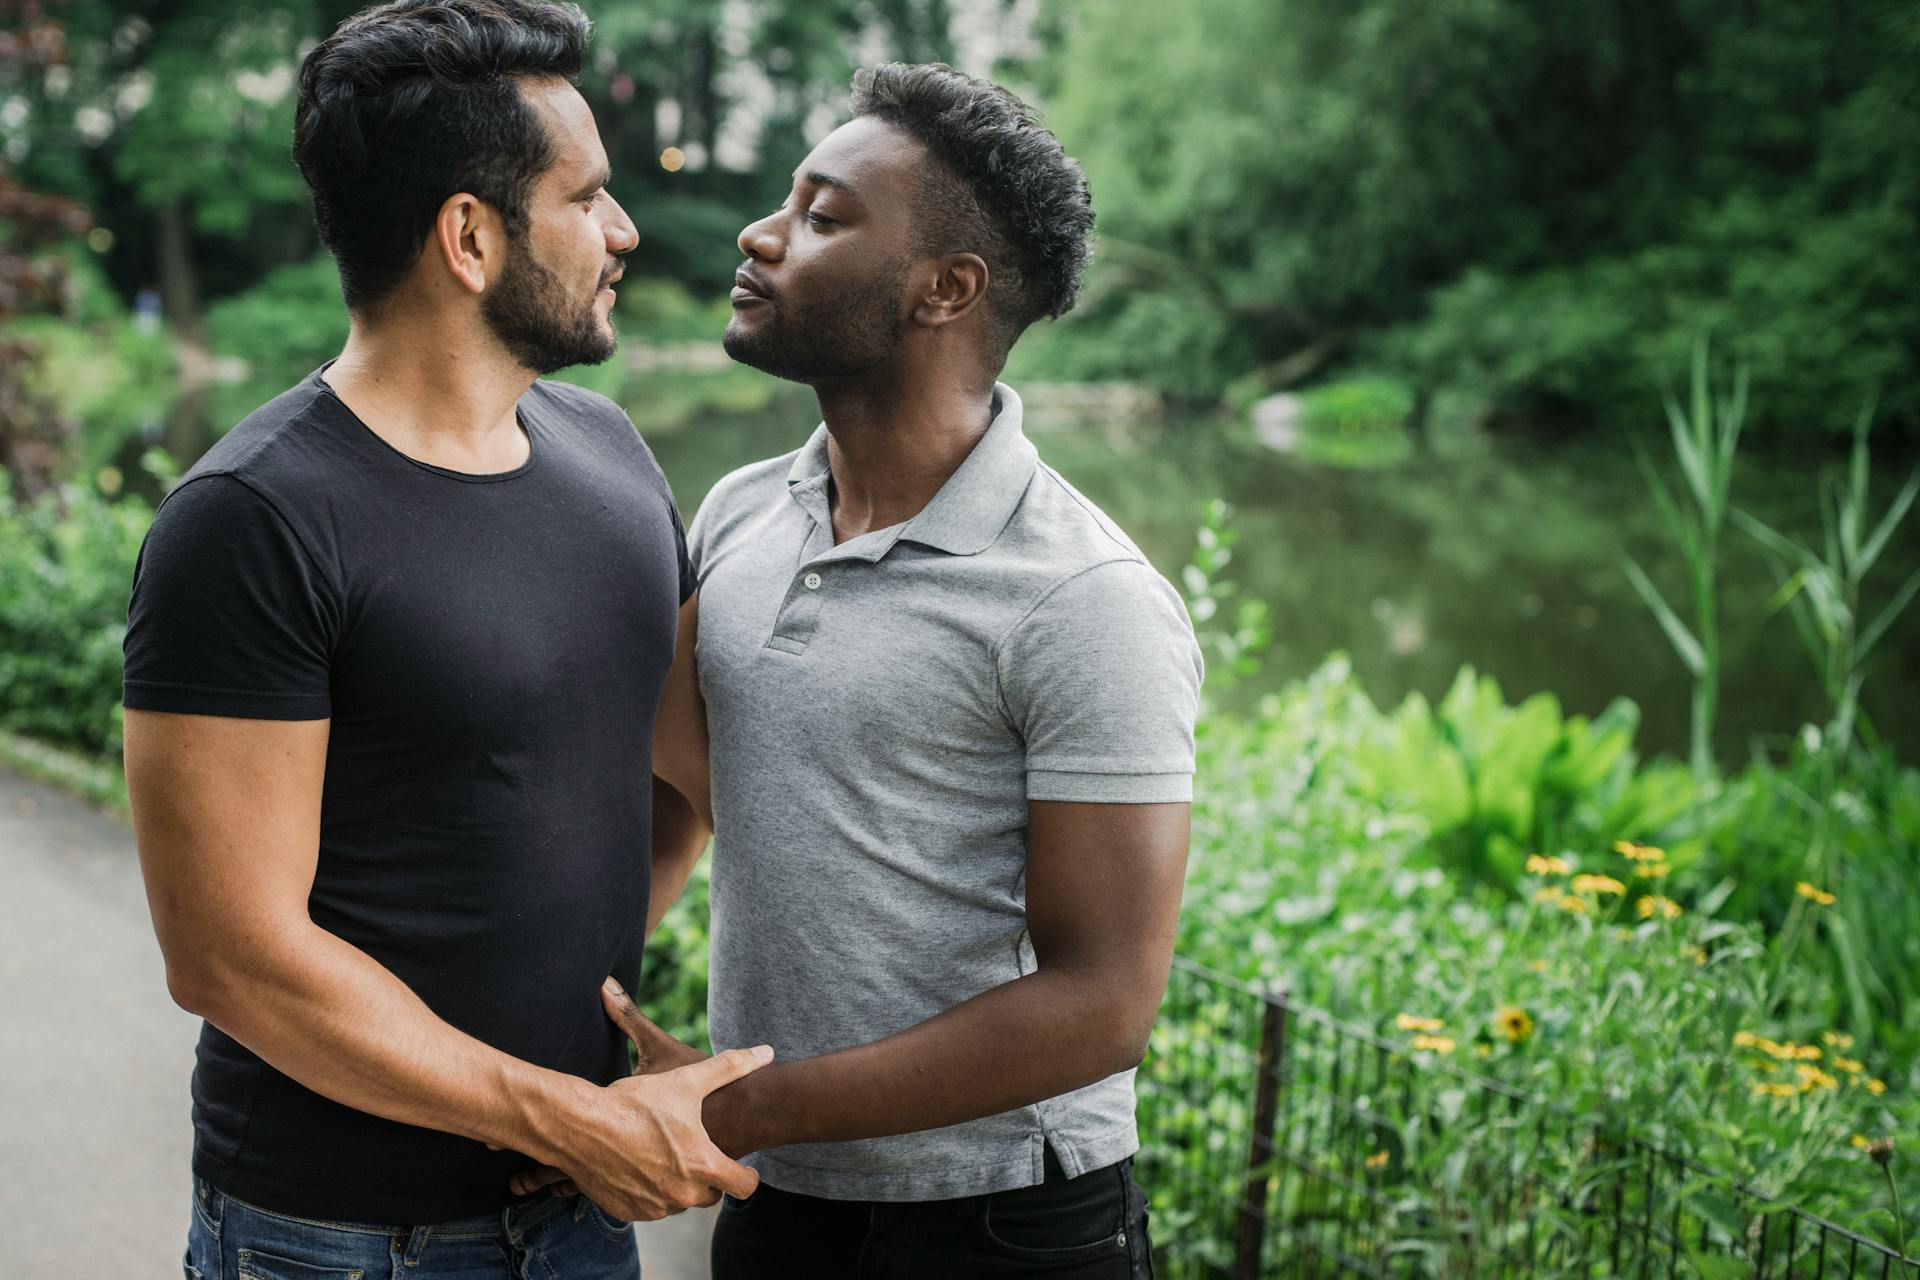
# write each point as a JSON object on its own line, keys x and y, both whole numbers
{"x": 66, "y": 565}
{"x": 284, "y": 327}
{"x": 1357, "y": 421}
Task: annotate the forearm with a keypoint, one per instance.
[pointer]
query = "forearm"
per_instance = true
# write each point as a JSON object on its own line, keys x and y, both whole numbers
{"x": 328, "y": 1015}
{"x": 680, "y": 836}
{"x": 1037, "y": 1037}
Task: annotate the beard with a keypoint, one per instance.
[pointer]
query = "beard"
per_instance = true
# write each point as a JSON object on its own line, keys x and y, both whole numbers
{"x": 531, "y": 312}
{"x": 836, "y": 337}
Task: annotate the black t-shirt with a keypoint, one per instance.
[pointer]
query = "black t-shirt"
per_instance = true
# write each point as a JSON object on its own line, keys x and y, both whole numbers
{"x": 490, "y": 650}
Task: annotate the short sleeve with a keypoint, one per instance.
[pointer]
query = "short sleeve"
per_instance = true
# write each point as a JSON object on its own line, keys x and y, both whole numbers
{"x": 1102, "y": 680}
{"x": 229, "y": 616}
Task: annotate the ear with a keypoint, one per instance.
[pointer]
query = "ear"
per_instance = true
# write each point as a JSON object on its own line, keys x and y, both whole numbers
{"x": 471, "y": 239}
{"x": 959, "y": 287}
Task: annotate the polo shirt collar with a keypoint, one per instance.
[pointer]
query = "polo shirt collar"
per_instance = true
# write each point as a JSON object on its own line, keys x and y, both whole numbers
{"x": 972, "y": 507}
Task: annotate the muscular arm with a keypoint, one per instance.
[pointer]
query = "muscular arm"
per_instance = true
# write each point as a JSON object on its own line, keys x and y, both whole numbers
{"x": 682, "y": 803}
{"x": 1103, "y": 898}
{"x": 227, "y": 817}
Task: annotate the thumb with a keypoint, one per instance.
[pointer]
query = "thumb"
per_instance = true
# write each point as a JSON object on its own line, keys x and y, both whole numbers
{"x": 724, "y": 1068}
{"x": 620, "y": 1007}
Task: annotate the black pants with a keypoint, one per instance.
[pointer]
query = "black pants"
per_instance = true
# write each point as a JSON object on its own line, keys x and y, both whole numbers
{"x": 1093, "y": 1227}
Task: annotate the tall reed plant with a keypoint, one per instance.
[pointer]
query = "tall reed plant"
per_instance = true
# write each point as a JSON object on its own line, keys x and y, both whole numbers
{"x": 1705, "y": 434}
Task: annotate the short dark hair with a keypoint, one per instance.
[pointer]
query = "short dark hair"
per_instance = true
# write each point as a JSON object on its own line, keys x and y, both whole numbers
{"x": 1005, "y": 189}
{"x": 408, "y": 103}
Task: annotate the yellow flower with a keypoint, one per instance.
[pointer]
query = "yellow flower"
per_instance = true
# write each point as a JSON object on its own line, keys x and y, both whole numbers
{"x": 1837, "y": 1039}
{"x": 1597, "y": 884}
{"x": 1481, "y": 1049}
{"x": 1876, "y": 1087}
{"x": 1549, "y": 895}
{"x": 1433, "y": 1044}
{"x": 1745, "y": 1040}
{"x": 1665, "y": 908}
{"x": 1411, "y": 1022}
{"x": 1652, "y": 870}
{"x": 1638, "y": 852}
{"x": 1377, "y": 1160}
{"x": 1812, "y": 1077}
{"x": 1695, "y": 953}
{"x": 1849, "y": 1065}
{"x": 1803, "y": 1052}
{"x": 1513, "y": 1022}
{"x": 1819, "y": 897}
{"x": 1772, "y": 1089}
{"x": 1544, "y": 865}
{"x": 1860, "y": 1142}
{"x": 1573, "y": 906}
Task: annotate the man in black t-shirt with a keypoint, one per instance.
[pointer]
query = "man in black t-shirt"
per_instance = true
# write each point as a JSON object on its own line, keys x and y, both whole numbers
{"x": 394, "y": 657}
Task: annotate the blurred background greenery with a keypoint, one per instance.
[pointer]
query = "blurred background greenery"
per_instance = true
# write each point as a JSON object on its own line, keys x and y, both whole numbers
{"x": 1558, "y": 367}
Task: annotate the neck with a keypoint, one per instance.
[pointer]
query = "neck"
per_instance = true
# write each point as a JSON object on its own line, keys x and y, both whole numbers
{"x": 891, "y": 444}
{"x": 449, "y": 403}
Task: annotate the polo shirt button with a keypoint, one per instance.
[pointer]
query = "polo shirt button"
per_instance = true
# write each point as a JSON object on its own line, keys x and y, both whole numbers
{"x": 813, "y": 581}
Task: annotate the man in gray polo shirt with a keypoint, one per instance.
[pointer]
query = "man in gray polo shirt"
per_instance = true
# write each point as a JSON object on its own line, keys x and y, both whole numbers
{"x": 951, "y": 713}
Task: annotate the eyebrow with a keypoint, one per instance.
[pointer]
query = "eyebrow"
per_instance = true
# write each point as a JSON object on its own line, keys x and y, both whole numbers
{"x": 819, "y": 179}
{"x": 606, "y": 176}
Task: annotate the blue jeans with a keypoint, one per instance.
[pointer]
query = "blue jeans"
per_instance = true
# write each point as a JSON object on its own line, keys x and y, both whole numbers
{"x": 547, "y": 1238}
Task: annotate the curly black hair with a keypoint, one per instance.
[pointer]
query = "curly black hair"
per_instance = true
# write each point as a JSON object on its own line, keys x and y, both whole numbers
{"x": 409, "y": 102}
{"x": 1003, "y": 186}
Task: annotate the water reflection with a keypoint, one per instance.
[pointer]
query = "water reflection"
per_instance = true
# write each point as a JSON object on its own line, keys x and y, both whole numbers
{"x": 1504, "y": 554}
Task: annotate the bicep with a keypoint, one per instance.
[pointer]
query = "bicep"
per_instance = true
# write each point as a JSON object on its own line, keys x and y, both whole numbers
{"x": 1103, "y": 887}
{"x": 226, "y": 813}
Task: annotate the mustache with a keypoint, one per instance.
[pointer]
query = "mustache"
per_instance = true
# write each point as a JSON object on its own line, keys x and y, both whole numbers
{"x": 613, "y": 274}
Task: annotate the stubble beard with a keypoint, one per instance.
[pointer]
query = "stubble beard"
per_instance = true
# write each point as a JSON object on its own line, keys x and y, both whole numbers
{"x": 531, "y": 312}
{"x": 839, "y": 337}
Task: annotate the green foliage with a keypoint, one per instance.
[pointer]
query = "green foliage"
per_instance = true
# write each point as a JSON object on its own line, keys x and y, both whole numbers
{"x": 66, "y": 563}
{"x": 110, "y": 376}
{"x": 657, "y": 311}
{"x": 1492, "y": 783}
{"x": 1357, "y": 422}
{"x": 286, "y": 326}
{"x": 1706, "y": 435}
{"x": 1529, "y": 205}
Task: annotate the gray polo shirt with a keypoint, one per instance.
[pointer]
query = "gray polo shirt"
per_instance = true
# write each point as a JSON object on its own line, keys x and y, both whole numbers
{"x": 881, "y": 712}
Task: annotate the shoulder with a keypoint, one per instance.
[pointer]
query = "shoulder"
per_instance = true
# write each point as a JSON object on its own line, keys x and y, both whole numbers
{"x": 1076, "y": 565}
{"x": 740, "y": 494}
{"x": 277, "y": 440}
{"x": 570, "y": 398}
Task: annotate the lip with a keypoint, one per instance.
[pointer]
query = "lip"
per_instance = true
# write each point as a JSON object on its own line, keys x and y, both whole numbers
{"x": 746, "y": 289}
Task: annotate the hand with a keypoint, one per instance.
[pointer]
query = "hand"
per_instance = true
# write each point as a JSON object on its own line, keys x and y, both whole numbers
{"x": 659, "y": 1054}
{"x": 639, "y": 1151}
{"x": 657, "y": 1050}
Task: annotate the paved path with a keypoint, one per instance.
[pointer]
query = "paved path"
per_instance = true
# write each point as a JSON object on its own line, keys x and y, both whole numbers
{"x": 95, "y": 1058}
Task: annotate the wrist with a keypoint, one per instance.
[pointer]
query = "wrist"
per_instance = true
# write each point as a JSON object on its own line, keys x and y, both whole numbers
{"x": 548, "y": 1111}
{"x": 732, "y": 1117}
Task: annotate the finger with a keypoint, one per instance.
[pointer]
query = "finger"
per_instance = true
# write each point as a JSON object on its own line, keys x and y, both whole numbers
{"x": 567, "y": 1188}
{"x": 621, "y": 1008}
{"x": 724, "y": 1068}
{"x": 528, "y": 1181}
{"x": 730, "y": 1176}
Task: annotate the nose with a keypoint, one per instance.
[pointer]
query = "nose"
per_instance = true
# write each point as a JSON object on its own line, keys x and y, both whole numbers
{"x": 622, "y": 235}
{"x": 761, "y": 240}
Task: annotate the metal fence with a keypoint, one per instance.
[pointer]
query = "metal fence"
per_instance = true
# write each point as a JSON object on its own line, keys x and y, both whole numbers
{"x": 1278, "y": 1141}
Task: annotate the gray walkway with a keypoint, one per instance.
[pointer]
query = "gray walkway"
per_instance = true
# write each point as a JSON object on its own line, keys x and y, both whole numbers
{"x": 95, "y": 1058}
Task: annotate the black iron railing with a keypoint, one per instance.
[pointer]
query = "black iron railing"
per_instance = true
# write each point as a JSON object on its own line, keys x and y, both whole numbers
{"x": 1279, "y": 1141}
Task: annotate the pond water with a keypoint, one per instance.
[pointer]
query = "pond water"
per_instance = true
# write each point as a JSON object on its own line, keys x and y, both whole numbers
{"x": 1496, "y": 551}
